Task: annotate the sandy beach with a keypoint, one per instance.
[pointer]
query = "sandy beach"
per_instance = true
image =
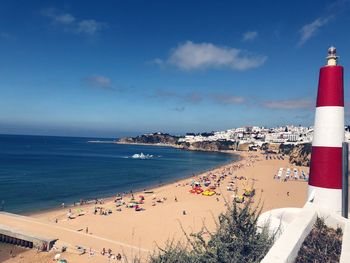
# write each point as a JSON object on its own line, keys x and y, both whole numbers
{"x": 166, "y": 212}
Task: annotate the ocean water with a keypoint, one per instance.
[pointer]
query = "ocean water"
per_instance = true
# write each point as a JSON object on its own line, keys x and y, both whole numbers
{"x": 41, "y": 172}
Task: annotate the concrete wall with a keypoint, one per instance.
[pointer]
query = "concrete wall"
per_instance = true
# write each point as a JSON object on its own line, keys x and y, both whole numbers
{"x": 16, "y": 237}
{"x": 287, "y": 246}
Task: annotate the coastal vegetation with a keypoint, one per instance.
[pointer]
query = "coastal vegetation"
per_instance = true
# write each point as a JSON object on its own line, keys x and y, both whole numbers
{"x": 237, "y": 238}
{"x": 323, "y": 244}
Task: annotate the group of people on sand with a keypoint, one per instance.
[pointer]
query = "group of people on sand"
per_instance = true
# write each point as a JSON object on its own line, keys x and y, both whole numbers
{"x": 85, "y": 202}
{"x": 110, "y": 255}
{"x": 213, "y": 179}
{"x": 95, "y": 201}
{"x": 158, "y": 200}
{"x": 119, "y": 201}
{"x": 102, "y": 211}
{"x": 217, "y": 176}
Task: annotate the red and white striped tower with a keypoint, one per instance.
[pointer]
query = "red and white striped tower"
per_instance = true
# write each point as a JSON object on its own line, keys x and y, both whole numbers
{"x": 325, "y": 181}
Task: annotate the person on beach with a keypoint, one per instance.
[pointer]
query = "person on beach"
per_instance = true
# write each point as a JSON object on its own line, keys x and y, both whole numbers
{"x": 87, "y": 230}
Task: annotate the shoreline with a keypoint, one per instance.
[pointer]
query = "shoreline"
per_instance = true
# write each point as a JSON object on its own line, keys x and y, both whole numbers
{"x": 109, "y": 198}
{"x": 178, "y": 147}
{"x": 162, "y": 218}
{"x": 148, "y": 144}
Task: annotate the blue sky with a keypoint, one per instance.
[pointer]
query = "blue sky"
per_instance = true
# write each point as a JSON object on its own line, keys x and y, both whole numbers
{"x": 113, "y": 68}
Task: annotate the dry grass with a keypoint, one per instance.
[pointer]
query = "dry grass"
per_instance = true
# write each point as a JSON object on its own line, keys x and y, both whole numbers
{"x": 323, "y": 244}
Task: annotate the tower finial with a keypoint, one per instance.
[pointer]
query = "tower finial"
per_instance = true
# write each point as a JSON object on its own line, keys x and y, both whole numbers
{"x": 332, "y": 56}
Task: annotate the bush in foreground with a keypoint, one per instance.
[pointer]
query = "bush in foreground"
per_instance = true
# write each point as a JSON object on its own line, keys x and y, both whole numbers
{"x": 236, "y": 239}
{"x": 323, "y": 244}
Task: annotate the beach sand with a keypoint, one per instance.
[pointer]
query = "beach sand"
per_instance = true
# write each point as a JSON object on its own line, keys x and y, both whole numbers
{"x": 131, "y": 233}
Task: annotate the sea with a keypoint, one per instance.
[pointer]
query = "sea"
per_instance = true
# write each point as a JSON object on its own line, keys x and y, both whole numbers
{"x": 42, "y": 172}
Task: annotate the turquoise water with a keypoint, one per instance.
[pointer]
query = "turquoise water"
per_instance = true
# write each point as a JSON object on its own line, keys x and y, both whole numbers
{"x": 39, "y": 172}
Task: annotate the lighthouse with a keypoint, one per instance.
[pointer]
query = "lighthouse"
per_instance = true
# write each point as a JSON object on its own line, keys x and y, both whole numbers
{"x": 325, "y": 180}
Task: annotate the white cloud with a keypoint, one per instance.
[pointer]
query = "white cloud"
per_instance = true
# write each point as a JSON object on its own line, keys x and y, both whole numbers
{"x": 157, "y": 61}
{"x": 192, "y": 56}
{"x": 290, "y": 104}
{"x": 98, "y": 81}
{"x": 227, "y": 99}
{"x": 64, "y": 19}
{"x": 70, "y": 22}
{"x": 191, "y": 97}
{"x": 250, "y": 35}
{"x": 57, "y": 17}
{"x": 90, "y": 26}
{"x": 311, "y": 29}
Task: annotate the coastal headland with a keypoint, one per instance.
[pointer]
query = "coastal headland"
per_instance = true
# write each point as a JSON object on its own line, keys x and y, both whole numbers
{"x": 165, "y": 139}
{"x": 137, "y": 223}
{"x": 298, "y": 154}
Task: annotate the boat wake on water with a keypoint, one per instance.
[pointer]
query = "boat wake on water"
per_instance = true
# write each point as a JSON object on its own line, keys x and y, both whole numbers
{"x": 142, "y": 156}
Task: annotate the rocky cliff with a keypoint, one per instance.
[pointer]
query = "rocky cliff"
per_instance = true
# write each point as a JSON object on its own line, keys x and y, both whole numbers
{"x": 166, "y": 139}
{"x": 300, "y": 154}
{"x": 212, "y": 146}
{"x": 154, "y": 138}
{"x": 271, "y": 147}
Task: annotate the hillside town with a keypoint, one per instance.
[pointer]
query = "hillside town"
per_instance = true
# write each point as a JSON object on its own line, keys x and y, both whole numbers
{"x": 259, "y": 135}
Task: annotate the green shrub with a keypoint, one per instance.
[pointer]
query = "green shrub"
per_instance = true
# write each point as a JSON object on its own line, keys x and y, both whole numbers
{"x": 236, "y": 239}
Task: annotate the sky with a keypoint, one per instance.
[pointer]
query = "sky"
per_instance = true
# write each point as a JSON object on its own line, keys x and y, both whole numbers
{"x": 116, "y": 68}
